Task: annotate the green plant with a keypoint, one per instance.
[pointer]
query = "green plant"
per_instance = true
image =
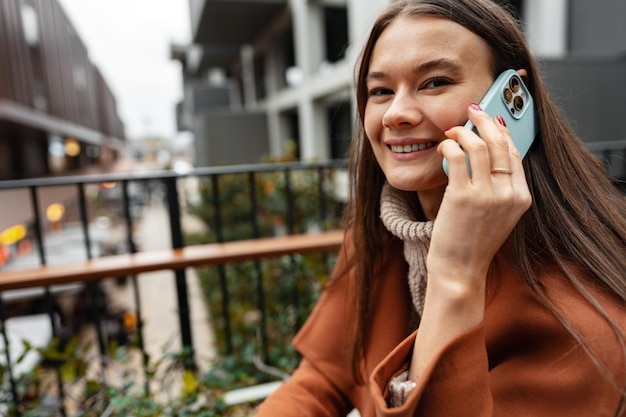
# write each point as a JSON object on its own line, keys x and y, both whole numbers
{"x": 266, "y": 301}
{"x": 172, "y": 389}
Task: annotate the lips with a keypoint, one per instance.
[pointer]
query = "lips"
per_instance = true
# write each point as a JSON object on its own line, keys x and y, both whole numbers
{"x": 414, "y": 147}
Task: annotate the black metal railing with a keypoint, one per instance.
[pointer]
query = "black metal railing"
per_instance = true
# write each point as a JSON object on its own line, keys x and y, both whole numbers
{"x": 150, "y": 185}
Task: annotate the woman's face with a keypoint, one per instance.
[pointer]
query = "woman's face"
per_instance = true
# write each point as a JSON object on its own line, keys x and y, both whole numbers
{"x": 423, "y": 74}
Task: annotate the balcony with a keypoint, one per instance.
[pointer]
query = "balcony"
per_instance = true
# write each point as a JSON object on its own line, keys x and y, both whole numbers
{"x": 219, "y": 39}
{"x": 257, "y": 241}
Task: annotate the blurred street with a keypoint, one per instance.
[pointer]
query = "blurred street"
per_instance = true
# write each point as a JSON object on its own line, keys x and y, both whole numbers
{"x": 158, "y": 297}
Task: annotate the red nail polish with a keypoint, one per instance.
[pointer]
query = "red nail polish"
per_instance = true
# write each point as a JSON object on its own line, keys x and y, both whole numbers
{"x": 448, "y": 128}
{"x": 501, "y": 120}
{"x": 475, "y": 106}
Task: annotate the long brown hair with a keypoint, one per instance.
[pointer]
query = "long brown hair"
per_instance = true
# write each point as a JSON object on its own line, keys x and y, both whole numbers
{"x": 577, "y": 216}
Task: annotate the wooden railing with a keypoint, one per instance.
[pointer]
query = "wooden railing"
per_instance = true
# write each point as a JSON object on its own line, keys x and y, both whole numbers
{"x": 172, "y": 259}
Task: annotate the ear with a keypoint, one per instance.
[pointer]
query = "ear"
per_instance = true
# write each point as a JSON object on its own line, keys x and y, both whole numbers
{"x": 523, "y": 73}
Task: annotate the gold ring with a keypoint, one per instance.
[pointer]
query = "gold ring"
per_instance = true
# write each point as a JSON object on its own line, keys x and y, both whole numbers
{"x": 501, "y": 171}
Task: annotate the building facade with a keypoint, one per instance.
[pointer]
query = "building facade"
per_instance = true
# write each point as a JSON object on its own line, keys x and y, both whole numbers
{"x": 57, "y": 113}
{"x": 270, "y": 77}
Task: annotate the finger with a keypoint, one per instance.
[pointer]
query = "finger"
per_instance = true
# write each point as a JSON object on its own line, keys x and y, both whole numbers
{"x": 518, "y": 177}
{"x": 477, "y": 151}
{"x": 497, "y": 138}
{"x": 457, "y": 162}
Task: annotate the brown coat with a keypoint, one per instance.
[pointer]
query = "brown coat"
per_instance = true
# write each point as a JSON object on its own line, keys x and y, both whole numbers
{"x": 520, "y": 361}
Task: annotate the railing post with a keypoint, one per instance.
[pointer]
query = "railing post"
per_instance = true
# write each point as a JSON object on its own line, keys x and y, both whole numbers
{"x": 37, "y": 225}
{"x": 221, "y": 269}
{"x": 176, "y": 231}
{"x": 291, "y": 229}
{"x": 322, "y": 198}
{"x": 290, "y": 220}
{"x": 132, "y": 248}
{"x": 260, "y": 291}
{"x": 9, "y": 365}
{"x": 323, "y": 211}
{"x": 99, "y": 303}
{"x": 48, "y": 295}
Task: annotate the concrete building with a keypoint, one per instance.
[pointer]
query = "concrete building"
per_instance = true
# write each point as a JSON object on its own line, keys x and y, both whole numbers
{"x": 262, "y": 74}
{"x": 57, "y": 113}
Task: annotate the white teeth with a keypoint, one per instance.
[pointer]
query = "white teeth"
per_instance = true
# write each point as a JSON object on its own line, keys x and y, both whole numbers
{"x": 411, "y": 148}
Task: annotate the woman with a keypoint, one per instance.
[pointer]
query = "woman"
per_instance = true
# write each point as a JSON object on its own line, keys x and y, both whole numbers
{"x": 523, "y": 314}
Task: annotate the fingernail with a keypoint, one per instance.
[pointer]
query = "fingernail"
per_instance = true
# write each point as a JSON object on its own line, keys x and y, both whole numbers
{"x": 501, "y": 120}
{"x": 448, "y": 128}
{"x": 475, "y": 106}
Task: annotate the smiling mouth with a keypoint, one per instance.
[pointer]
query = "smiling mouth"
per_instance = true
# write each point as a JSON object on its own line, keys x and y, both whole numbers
{"x": 416, "y": 147}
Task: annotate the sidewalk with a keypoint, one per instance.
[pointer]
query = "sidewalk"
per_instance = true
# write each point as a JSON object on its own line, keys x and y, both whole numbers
{"x": 158, "y": 298}
{"x": 159, "y": 310}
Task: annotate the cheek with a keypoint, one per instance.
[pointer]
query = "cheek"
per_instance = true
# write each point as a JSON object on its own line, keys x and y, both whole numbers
{"x": 373, "y": 123}
{"x": 451, "y": 114}
{"x": 370, "y": 132}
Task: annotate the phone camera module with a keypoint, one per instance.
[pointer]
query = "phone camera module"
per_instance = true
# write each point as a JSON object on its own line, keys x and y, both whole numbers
{"x": 514, "y": 83}
{"x": 508, "y": 95}
{"x": 518, "y": 103}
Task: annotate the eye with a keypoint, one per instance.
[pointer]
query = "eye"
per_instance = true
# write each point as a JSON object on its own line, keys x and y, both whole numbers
{"x": 379, "y": 91}
{"x": 436, "y": 83}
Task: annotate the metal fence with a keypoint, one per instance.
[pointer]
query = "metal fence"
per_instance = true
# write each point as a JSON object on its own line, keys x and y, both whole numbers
{"x": 132, "y": 190}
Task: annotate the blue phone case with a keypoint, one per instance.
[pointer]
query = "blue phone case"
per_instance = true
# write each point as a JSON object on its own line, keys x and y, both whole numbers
{"x": 509, "y": 97}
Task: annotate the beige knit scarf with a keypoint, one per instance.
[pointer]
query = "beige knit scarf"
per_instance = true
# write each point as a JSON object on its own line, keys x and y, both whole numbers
{"x": 400, "y": 221}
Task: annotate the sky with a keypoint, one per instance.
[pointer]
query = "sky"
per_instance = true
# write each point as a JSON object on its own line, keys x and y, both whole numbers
{"x": 129, "y": 41}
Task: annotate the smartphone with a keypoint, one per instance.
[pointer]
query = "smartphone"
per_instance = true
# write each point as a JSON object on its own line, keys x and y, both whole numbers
{"x": 509, "y": 97}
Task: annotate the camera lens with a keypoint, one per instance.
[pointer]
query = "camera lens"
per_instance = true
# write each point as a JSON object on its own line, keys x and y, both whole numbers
{"x": 515, "y": 84}
{"x": 518, "y": 103}
{"x": 508, "y": 95}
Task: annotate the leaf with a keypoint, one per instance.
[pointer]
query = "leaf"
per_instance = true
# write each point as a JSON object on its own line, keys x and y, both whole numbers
{"x": 190, "y": 382}
{"x": 67, "y": 372}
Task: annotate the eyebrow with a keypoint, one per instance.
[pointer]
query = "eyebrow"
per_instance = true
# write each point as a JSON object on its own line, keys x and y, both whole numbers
{"x": 439, "y": 63}
{"x": 442, "y": 63}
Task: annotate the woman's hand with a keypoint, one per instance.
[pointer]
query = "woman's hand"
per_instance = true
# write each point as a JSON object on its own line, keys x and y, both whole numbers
{"x": 477, "y": 214}
{"x": 475, "y": 218}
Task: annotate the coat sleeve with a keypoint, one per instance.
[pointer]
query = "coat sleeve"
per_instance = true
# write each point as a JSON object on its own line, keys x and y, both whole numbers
{"x": 308, "y": 393}
{"x": 459, "y": 372}
{"x": 520, "y": 362}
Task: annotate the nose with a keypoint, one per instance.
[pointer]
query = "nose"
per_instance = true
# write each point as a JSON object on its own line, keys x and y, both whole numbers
{"x": 403, "y": 111}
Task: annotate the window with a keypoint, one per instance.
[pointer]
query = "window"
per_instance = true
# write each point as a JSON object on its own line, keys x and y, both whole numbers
{"x": 30, "y": 25}
{"x": 336, "y": 33}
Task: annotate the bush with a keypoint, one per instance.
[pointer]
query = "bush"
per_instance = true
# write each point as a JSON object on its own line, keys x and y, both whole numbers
{"x": 267, "y": 301}
{"x": 172, "y": 390}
